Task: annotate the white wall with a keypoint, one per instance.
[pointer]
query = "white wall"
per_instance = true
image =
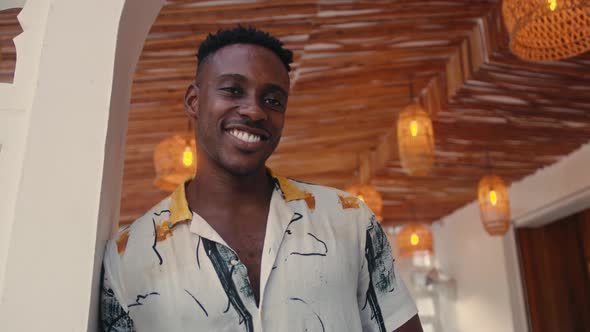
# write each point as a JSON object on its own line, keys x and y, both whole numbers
{"x": 15, "y": 107}
{"x": 489, "y": 294}
{"x": 62, "y": 130}
{"x": 476, "y": 262}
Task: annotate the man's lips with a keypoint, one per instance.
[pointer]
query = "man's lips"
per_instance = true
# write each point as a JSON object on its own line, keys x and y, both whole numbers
{"x": 247, "y": 133}
{"x": 250, "y": 139}
{"x": 244, "y": 136}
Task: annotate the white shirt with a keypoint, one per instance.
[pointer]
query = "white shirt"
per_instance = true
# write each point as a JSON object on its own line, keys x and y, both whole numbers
{"x": 326, "y": 266}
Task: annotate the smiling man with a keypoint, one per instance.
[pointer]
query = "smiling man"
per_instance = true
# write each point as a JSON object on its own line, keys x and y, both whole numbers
{"x": 239, "y": 248}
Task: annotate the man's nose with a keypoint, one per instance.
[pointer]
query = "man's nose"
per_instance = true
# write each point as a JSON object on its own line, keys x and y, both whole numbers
{"x": 253, "y": 110}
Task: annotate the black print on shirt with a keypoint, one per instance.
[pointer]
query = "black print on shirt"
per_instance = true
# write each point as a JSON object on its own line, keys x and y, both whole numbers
{"x": 156, "y": 242}
{"x": 199, "y": 303}
{"x": 296, "y": 217}
{"x": 221, "y": 258}
{"x": 197, "y": 253}
{"x": 160, "y": 213}
{"x": 113, "y": 317}
{"x": 323, "y": 251}
{"x": 140, "y": 298}
{"x": 296, "y": 299}
{"x": 381, "y": 262}
{"x": 380, "y": 266}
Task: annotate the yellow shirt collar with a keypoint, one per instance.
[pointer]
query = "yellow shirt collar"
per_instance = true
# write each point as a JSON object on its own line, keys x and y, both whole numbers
{"x": 180, "y": 212}
{"x": 290, "y": 191}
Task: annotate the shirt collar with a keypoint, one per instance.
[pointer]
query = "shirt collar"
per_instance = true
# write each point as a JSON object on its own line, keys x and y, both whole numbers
{"x": 289, "y": 190}
{"x": 180, "y": 212}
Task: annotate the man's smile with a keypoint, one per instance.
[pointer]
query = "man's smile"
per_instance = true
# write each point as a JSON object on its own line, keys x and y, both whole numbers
{"x": 244, "y": 136}
{"x": 247, "y": 138}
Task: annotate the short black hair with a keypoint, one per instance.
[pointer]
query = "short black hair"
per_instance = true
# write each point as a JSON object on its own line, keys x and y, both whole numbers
{"x": 243, "y": 35}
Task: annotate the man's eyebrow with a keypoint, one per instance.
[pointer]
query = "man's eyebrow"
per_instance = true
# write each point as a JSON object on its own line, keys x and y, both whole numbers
{"x": 271, "y": 87}
{"x": 234, "y": 76}
{"x": 276, "y": 88}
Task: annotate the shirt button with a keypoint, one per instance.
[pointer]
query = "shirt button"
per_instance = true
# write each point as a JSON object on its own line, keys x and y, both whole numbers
{"x": 234, "y": 262}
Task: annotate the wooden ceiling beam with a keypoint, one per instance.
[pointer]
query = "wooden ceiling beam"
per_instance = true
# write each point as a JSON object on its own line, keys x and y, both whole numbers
{"x": 468, "y": 56}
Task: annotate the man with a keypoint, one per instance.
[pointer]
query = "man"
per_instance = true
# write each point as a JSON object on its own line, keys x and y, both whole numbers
{"x": 239, "y": 248}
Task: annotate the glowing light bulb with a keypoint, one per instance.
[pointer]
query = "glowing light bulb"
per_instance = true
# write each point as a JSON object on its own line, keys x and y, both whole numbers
{"x": 361, "y": 198}
{"x": 414, "y": 128}
{"x": 552, "y": 4}
{"x": 493, "y": 197}
{"x": 187, "y": 156}
{"x": 414, "y": 239}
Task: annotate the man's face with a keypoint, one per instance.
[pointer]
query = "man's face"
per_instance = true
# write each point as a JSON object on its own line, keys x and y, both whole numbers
{"x": 240, "y": 101}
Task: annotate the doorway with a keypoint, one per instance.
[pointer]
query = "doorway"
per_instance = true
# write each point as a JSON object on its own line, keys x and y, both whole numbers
{"x": 555, "y": 261}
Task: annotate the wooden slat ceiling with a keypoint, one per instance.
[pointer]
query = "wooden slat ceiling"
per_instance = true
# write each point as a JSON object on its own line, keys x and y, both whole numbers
{"x": 353, "y": 64}
{"x": 9, "y": 28}
{"x": 519, "y": 116}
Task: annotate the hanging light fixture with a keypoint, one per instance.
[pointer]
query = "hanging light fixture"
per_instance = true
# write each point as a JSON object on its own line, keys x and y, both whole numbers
{"x": 175, "y": 160}
{"x": 494, "y": 205}
{"x": 415, "y": 137}
{"x": 414, "y": 239}
{"x": 542, "y": 30}
{"x": 369, "y": 196}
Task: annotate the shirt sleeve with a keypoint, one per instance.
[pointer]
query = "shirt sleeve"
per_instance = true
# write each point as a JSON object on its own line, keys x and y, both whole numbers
{"x": 114, "y": 317}
{"x": 383, "y": 299}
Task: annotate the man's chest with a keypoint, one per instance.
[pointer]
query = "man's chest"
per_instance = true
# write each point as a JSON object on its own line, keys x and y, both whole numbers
{"x": 245, "y": 235}
{"x": 247, "y": 244}
{"x": 248, "y": 249}
{"x": 203, "y": 282}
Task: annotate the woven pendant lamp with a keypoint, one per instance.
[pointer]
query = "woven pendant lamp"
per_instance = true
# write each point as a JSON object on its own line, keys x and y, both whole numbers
{"x": 415, "y": 137}
{"x": 175, "y": 160}
{"x": 494, "y": 205}
{"x": 414, "y": 239}
{"x": 543, "y": 30}
{"x": 370, "y": 196}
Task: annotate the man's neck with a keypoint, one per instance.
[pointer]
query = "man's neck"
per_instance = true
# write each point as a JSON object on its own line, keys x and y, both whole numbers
{"x": 214, "y": 189}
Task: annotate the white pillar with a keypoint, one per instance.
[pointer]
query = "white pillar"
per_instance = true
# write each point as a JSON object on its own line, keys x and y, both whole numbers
{"x": 69, "y": 120}
{"x": 15, "y": 107}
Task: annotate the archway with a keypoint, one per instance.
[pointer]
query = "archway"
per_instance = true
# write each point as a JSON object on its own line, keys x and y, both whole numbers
{"x": 67, "y": 110}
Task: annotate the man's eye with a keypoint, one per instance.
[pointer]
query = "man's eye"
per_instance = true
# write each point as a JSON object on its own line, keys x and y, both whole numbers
{"x": 272, "y": 102}
{"x": 232, "y": 90}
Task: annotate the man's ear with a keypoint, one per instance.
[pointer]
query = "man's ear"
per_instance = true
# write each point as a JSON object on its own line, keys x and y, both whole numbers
{"x": 191, "y": 101}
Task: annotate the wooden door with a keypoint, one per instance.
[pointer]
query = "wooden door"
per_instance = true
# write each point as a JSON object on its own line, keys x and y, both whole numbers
{"x": 556, "y": 272}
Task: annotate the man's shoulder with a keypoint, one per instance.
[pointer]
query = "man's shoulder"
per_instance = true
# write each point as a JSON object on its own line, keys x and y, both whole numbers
{"x": 142, "y": 227}
{"x": 318, "y": 189}
{"x": 329, "y": 199}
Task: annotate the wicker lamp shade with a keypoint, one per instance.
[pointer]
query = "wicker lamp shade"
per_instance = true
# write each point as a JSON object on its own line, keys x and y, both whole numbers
{"x": 415, "y": 137}
{"x": 369, "y": 196}
{"x": 542, "y": 30}
{"x": 414, "y": 239}
{"x": 175, "y": 160}
{"x": 494, "y": 205}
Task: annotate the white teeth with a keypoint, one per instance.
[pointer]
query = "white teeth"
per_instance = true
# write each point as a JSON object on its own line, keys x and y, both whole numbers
{"x": 244, "y": 136}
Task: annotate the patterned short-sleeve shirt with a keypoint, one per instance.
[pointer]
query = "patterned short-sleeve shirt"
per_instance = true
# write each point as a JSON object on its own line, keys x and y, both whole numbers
{"x": 326, "y": 266}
